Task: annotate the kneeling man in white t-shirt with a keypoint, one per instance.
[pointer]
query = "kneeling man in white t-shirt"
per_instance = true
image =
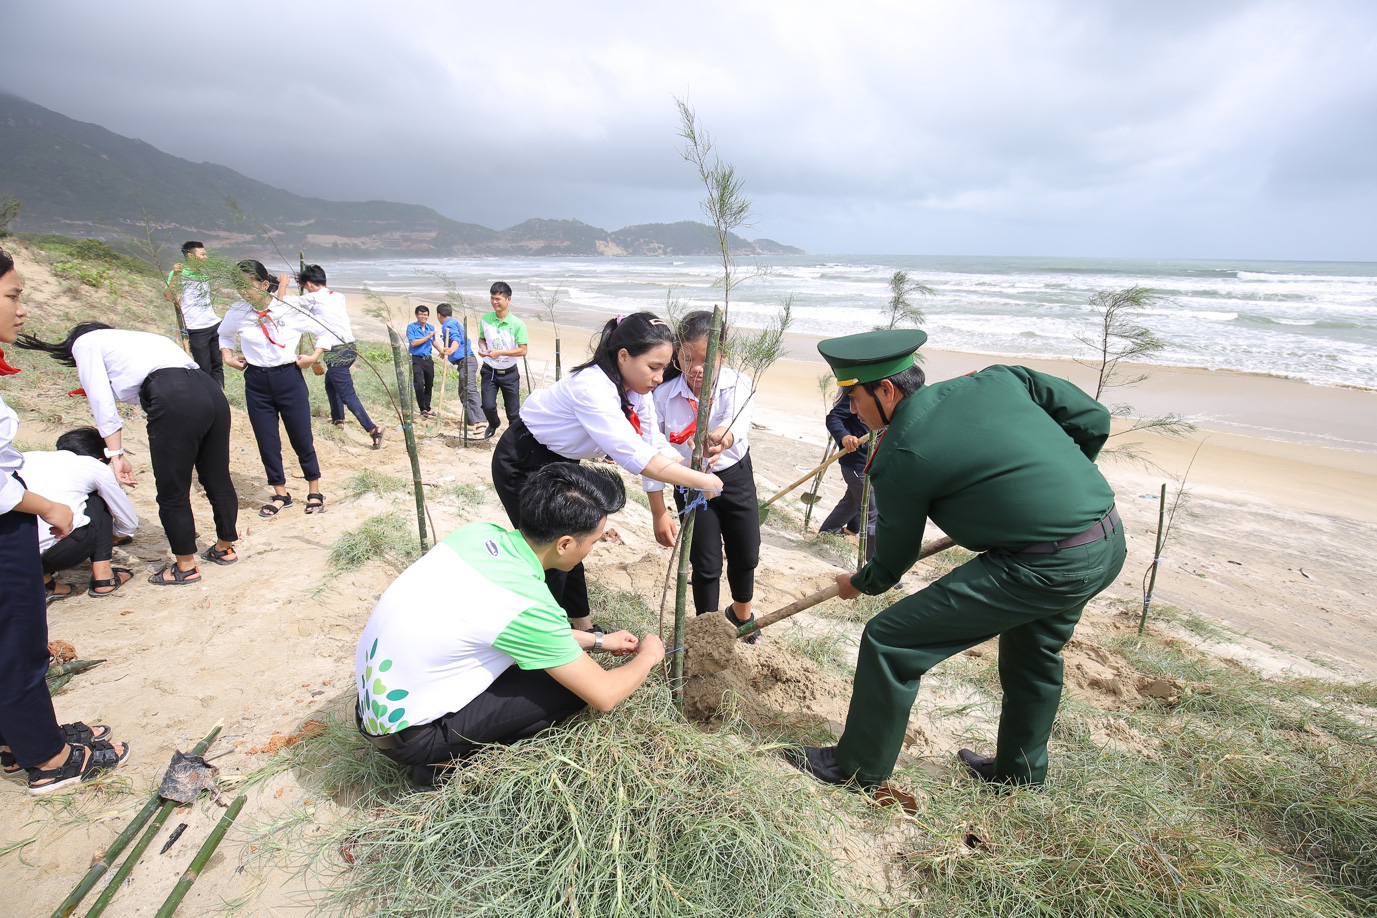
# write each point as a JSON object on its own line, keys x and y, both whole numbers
{"x": 499, "y": 662}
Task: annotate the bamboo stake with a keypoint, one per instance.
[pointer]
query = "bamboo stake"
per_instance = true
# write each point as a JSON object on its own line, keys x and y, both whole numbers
{"x": 183, "y": 886}
{"x": 469, "y": 361}
{"x": 404, "y": 395}
{"x": 108, "y": 893}
{"x": 700, "y": 441}
{"x": 813, "y": 491}
{"x": 812, "y": 599}
{"x": 112, "y": 852}
{"x": 1156, "y": 559}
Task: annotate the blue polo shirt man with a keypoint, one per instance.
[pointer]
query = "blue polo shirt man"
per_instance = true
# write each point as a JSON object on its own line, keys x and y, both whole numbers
{"x": 420, "y": 337}
{"x": 458, "y": 349}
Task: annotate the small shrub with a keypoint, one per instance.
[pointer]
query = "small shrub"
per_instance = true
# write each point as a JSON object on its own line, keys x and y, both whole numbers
{"x": 389, "y": 537}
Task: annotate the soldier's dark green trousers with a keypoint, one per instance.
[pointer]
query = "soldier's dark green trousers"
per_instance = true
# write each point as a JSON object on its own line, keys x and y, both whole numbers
{"x": 1031, "y": 601}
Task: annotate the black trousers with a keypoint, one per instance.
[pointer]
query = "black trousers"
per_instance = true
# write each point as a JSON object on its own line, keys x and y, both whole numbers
{"x": 467, "y": 383}
{"x": 205, "y": 350}
{"x": 189, "y": 428}
{"x": 27, "y": 722}
{"x": 339, "y": 386}
{"x": 509, "y": 381}
{"x": 519, "y": 455}
{"x": 847, "y": 513}
{"x": 422, "y": 379}
{"x": 93, "y": 542}
{"x": 280, "y": 392}
{"x": 519, "y": 704}
{"x": 730, "y": 523}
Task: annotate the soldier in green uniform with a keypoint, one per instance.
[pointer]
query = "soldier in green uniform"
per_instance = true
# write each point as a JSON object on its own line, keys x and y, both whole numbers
{"x": 1003, "y": 461}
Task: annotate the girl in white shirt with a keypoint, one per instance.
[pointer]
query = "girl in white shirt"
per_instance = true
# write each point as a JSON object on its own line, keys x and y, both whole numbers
{"x": 268, "y": 332}
{"x": 731, "y": 521}
{"x": 55, "y": 755}
{"x": 188, "y": 430}
{"x": 601, "y": 408}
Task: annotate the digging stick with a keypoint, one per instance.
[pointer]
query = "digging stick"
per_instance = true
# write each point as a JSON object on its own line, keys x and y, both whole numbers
{"x": 183, "y": 886}
{"x": 787, "y": 488}
{"x": 108, "y": 857}
{"x": 823, "y": 595}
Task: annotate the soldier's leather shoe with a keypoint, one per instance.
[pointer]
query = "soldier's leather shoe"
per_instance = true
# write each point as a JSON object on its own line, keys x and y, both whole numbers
{"x": 821, "y": 763}
{"x": 981, "y": 766}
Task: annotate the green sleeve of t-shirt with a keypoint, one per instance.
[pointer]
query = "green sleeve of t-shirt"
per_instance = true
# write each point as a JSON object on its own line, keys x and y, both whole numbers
{"x": 520, "y": 332}
{"x": 539, "y": 638}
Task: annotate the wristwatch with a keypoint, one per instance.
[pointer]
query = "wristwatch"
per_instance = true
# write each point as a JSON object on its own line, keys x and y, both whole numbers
{"x": 597, "y": 642}
{"x": 112, "y": 453}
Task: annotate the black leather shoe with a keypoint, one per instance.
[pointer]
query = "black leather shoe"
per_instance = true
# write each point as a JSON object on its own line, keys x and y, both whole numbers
{"x": 491, "y": 432}
{"x": 981, "y": 766}
{"x": 821, "y": 763}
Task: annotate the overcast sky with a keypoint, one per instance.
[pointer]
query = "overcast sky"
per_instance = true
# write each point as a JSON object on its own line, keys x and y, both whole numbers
{"x": 1156, "y": 128}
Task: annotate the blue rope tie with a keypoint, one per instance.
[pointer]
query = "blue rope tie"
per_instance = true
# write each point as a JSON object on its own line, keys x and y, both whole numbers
{"x": 698, "y": 503}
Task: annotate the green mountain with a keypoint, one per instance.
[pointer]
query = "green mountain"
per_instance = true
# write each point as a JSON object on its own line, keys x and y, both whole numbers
{"x": 82, "y": 180}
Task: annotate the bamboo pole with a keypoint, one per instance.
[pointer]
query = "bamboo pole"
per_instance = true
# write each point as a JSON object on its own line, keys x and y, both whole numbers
{"x": 813, "y": 491}
{"x": 404, "y": 396}
{"x": 112, "y": 852}
{"x": 108, "y": 893}
{"x": 821, "y": 468}
{"x": 470, "y": 361}
{"x": 198, "y": 863}
{"x": 812, "y": 599}
{"x": 1156, "y": 559}
{"x": 700, "y": 441}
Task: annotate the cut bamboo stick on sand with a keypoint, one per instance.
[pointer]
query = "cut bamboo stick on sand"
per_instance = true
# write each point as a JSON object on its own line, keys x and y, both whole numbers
{"x": 813, "y": 599}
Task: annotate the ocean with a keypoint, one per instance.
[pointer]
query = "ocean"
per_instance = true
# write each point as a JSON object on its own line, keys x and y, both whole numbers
{"x": 1314, "y": 321}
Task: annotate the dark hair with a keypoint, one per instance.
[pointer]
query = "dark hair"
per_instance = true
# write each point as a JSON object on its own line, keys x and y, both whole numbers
{"x": 6, "y": 263}
{"x": 696, "y": 326}
{"x": 254, "y": 269}
{"x": 84, "y": 441}
{"x": 565, "y": 498}
{"x": 906, "y": 381}
{"x": 311, "y": 274}
{"x": 503, "y": 288}
{"x": 191, "y": 245}
{"x": 422, "y": 308}
{"x": 636, "y": 333}
{"x": 61, "y": 351}
{"x": 444, "y": 310}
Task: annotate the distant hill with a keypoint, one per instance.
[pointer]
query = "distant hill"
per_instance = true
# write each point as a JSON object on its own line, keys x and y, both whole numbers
{"x": 81, "y": 180}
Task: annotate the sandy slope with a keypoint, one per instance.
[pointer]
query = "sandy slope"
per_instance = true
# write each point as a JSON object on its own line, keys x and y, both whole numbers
{"x": 268, "y": 642}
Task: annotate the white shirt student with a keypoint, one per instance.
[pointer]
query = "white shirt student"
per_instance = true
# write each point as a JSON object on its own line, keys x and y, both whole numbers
{"x": 70, "y": 479}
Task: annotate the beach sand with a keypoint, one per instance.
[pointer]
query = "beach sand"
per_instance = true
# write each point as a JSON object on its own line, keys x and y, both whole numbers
{"x": 1273, "y": 547}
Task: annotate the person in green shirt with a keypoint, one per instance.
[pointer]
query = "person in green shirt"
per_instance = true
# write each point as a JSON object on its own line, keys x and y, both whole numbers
{"x": 1003, "y": 461}
{"x": 502, "y": 341}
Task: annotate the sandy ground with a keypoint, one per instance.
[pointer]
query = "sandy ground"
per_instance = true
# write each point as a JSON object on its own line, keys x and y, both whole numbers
{"x": 1270, "y": 548}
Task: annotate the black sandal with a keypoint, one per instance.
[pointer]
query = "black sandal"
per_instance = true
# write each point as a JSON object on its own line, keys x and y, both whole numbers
{"x": 339, "y": 423}
{"x": 116, "y": 581}
{"x": 275, "y": 505}
{"x": 315, "y": 503}
{"x": 83, "y": 763}
{"x": 218, "y": 557}
{"x": 754, "y": 636}
{"x": 72, "y": 733}
{"x": 179, "y": 576}
{"x": 51, "y": 595}
{"x": 377, "y": 434}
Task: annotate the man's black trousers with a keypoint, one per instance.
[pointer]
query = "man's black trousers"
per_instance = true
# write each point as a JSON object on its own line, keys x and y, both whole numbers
{"x": 205, "y": 350}
{"x": 422, "y": 379}
{"x": 509, "y": 381}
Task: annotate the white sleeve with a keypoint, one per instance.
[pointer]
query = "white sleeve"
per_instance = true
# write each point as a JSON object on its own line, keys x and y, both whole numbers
{"x": 229, "y": 326}
{"x": 11, "y": 491}
{"x": 653, "y": 436}
{"x": 601, "y": 417}
{"x": 125, "y": 517}
{"x": 100, "y": 395}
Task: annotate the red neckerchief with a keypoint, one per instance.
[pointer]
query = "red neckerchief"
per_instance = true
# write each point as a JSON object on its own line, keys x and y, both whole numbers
{"x": 635, "y": 420}
{"x": 683, "y": 436}
{"x": 874, "y": 448}
{"x": 5, "y": 368}
{"x": 265, "y": 314}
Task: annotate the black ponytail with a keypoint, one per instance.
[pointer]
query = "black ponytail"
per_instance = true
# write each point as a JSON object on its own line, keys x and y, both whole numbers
{"x": 636, "y": 334}
{"x": 61, "y": 351}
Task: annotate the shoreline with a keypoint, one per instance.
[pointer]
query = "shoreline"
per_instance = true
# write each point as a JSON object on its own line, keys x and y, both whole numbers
{"x": 1232, "y": 403}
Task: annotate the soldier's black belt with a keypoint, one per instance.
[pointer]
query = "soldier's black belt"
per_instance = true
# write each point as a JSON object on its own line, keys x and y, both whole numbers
{"x": 1101, "y": 530}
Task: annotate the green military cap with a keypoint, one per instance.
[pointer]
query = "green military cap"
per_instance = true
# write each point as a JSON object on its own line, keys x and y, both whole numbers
{"x": 871, "y": 355}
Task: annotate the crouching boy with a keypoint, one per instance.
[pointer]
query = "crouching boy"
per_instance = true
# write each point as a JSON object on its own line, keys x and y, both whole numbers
{"x": 497, "y": 663}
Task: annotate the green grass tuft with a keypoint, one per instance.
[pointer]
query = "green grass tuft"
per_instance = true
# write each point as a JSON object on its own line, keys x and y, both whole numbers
{"x": 389, "y": 537}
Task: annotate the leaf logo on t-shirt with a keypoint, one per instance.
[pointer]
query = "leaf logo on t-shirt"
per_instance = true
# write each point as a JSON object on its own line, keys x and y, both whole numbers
{"x": 491, "y": 546}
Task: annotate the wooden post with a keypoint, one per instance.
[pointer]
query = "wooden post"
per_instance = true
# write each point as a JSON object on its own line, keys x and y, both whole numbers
{"x": 1156, "y": 559}
{"x": 404, "y": 397}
